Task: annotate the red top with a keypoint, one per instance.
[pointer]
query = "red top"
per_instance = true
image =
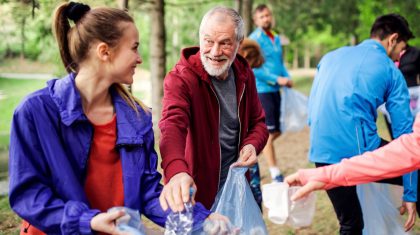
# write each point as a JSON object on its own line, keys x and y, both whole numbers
{"x": 28, "y": 229}
{"x": 104, "y": 182}
{"x": 270, "y": 34}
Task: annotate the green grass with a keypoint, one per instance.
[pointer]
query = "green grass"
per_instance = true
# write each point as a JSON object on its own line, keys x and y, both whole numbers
{"x": 303, "y": 84}
{"x": 14, "y": 91}
{"x": 8, "y": 219}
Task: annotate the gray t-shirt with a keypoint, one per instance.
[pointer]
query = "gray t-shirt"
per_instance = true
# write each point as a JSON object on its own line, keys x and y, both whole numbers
{"x": 229, "y": 123}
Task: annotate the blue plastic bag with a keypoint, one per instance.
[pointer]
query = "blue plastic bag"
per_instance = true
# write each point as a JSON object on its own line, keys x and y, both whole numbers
{"x": 236, "y": 202}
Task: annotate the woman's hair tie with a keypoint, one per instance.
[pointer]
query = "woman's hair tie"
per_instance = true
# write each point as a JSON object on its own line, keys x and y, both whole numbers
{"x": 75, "y": 11}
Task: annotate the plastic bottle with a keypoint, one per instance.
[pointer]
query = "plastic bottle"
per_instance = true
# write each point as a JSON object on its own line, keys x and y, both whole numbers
{"x": 181, "y": 222}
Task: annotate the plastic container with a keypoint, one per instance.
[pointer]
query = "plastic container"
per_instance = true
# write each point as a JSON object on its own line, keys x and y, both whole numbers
{"x": 281, "y": 210}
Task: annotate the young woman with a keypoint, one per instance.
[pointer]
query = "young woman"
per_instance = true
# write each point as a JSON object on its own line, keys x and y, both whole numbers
{"x": 84, "y": 144}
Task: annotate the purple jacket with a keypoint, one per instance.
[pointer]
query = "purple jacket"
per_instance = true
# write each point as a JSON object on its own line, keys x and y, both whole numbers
{"x": 49, "y": 150}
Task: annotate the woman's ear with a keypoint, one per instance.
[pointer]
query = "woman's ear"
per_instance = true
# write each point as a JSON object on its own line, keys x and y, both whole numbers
{"x": 102, "y": 51}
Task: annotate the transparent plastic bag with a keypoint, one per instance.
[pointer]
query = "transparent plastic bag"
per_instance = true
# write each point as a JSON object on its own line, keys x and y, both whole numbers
{"x": 130, "y": 223}
{"x": 236, "y": 202}
{"x": 294, "y": 113}
{"x": 414, "y": 93}
{"x": 414, "y": 99}
{"x": 281, "y": 210}
{"x": 380, "y": 204}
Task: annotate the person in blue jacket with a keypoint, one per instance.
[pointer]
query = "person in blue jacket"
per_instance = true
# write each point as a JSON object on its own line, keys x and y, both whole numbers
{"x": 350, "y": 83}
{"x": 85, "y": 133}
{"x": 269, "y": 77}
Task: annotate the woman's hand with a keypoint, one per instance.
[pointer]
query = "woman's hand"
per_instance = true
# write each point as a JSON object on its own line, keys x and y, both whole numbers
{"x": 105, "y": 222}
{"x": 293, "y": 180}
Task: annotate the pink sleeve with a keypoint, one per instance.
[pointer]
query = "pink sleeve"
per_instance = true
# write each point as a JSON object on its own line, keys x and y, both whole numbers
{"x": 394, "y": 159}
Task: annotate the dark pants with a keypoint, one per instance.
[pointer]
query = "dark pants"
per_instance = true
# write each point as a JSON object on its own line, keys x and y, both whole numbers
{"x": 347, "y": 206}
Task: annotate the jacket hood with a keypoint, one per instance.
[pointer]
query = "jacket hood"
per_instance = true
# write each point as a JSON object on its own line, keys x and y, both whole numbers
{"x": 190, "y": 58}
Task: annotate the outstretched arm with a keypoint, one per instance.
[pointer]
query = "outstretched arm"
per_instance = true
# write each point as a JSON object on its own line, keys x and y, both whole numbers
{"x": 394, "y": 159}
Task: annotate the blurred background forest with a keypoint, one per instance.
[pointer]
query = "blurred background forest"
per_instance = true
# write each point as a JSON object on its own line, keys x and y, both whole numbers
{"x": 310, "y": 27}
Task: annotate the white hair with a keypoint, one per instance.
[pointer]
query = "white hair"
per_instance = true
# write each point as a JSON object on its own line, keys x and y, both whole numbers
{"x": 235, "y": 17}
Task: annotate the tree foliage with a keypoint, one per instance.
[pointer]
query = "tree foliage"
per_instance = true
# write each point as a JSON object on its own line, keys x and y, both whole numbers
{"x": 321, "y": 25}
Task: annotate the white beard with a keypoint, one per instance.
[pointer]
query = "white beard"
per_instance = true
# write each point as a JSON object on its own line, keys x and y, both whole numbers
{"x": 213, "y": 71}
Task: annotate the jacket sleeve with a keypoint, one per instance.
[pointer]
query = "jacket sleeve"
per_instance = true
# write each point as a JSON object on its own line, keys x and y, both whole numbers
{"x": 257, "y": 133}
{"x": 397, "y": 104}
{"x": 31, "y": 195}
{"x": 263, "y": 74}
{"x": 394, "y": 159}
{"x": 173, "y": 125}
{"x": 152, "y": 188}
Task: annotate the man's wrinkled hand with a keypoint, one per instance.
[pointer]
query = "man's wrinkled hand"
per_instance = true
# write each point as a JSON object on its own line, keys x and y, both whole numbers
{"x": 177, "y": 192}
{"x": 247, "y": 157}
{"x": 284, "y": 81}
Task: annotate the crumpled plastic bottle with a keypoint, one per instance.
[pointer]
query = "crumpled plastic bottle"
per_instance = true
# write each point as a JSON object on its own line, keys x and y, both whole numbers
{"x": 220, "y": 227}
{"x": 181, "y": 222}
{"x": 130, "y": 223}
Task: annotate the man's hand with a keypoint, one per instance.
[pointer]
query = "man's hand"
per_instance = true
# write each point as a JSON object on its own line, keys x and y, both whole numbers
{"x": 177, "y": 191}
{"x": 283, "y": 81}
{"x": 247, "y": 157}
{"x": 410, "y": 207}
{"x": 105, "y": 222}
{"x": 293, "y": 180}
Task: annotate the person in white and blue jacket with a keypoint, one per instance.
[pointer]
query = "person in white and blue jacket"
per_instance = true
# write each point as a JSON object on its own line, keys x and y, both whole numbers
{"x": 270, "y": 76}
{"x": 350, "y": 83}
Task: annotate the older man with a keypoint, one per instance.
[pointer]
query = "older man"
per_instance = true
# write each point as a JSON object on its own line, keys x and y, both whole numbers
{"x": 211, "y": 116}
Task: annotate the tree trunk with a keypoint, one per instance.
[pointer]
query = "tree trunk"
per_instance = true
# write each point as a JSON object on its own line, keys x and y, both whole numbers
{"x": 307, "y": 57}
{"x": 22, "y": 38}
{"x": 238, "y": 5}
{"x": 295, "y": 57}
{"x": 123, "y": 4}
{"x": 244, "y": 8}
{"x": 246, "y": 13}
{"x": 157, "y": 58}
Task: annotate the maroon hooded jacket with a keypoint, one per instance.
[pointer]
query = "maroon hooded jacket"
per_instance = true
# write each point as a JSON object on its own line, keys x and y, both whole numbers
{"x": 189, "y": 140}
